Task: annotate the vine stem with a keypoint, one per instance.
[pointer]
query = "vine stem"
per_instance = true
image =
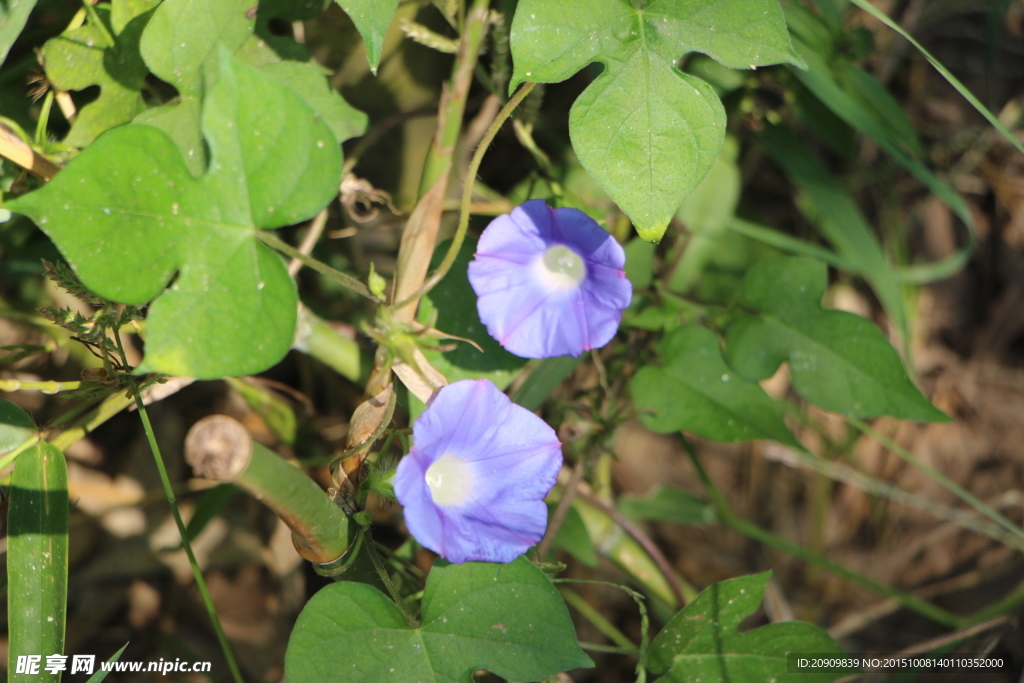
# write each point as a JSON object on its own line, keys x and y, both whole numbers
{"x": 419, "y": 237}
{"x": 97, "y": 24}
{"x": 385, "y": 578}
{"x": 645, "y": 623}
{"x": 729, "y": 518}
{"x": 44, "y": 387}
{"x": 649, "y": 546}
{"x": 467, "y": 196}
{"x": 947, "y": 483}
{"x": 829, "y": 470}
{"x": 165, "y": 480}
{"x": 562, "y": 511}
{"x": 374, "y": 134}
{"x": 600, "y": 622}
{"x": 275, "y": 242}
{"x": 316, "y": 228}
{"x": 13, "y": 148}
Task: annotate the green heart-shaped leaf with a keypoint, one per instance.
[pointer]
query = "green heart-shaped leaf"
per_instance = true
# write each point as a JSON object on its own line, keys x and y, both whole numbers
{"x": 82, "y": 57}
{"x": 13, "y": 16}
{"x": 698, "y": 392}
{"x": 839, "y": 361}
{"x": 646, "y": 131}
{"x": 181, "y": 45}
{"x": 702, "y": 644}
{"x": 506, "y": 618}
{"x": 128, "y": 216}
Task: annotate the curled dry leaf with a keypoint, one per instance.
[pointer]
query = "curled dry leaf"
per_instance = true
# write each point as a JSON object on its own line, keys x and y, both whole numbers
{"x": 368, "y": 422}
{"x": 422, "y": 381}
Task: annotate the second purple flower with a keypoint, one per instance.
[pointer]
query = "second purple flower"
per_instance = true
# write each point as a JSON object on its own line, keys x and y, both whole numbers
{"x": 549, "y": 282}
{"x": 474, "y": 482}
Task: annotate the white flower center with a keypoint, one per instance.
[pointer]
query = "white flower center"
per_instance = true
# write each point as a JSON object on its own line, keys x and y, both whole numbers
{"x": 450, "y": 480}
{"x": 559, "y": 267}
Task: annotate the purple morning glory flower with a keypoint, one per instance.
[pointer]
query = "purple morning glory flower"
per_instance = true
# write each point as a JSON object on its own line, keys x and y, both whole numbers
{"x": 549, "y": 282}
{"x": 474, "y": 482}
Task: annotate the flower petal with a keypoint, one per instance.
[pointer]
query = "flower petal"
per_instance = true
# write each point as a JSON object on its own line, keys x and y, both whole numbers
{"x": 427, "y": 524}
{"x": 487, "y": 534}
{"x": 539, "y": 314}
{"x": 515, "y": 234}
{"x": 508, "y": 459}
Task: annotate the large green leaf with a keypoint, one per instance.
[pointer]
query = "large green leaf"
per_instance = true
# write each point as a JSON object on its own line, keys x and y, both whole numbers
{"x": 13, "y": 15}
{"x": 267, "y": 43}
{"x": 838, "y": 360}
{"x": 128, "y": 215}
{"x": 457, "y": 315}
{"x": 182, "y": 42}
{"x": 647, "y": 132}
{"x": 85, "y": 57}
{"x": 698, "y": 392}
{"x": 506, "y": 618}
{"x": 702, "y": 642}
{"x": 344, "y": 120}
{"x": 371, "y": 18}
{"x": 181, "y": 45}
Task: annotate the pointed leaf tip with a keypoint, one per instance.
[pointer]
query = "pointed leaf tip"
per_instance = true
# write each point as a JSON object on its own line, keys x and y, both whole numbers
{"x": 647, "y": 132}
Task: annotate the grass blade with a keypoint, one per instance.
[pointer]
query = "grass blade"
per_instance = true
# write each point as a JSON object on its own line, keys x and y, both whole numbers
{"x": 960, "y": 87}
{"x": 37, "y": 560}
{"x": 102, "y": 674}
{"x": 838, "y": 219}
